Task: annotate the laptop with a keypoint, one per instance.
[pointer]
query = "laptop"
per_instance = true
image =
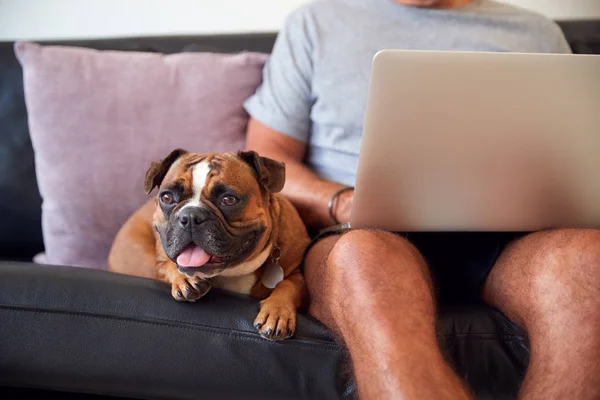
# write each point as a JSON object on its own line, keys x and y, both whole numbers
{"x": 475, "y": 141}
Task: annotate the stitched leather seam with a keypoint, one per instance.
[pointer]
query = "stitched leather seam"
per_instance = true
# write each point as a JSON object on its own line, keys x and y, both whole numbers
{"x": 329, "y": 347}
{"x": 236, "y": 332}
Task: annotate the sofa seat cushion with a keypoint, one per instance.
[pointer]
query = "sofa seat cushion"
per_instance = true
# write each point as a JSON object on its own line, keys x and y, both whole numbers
{"x": 90, "y": 331}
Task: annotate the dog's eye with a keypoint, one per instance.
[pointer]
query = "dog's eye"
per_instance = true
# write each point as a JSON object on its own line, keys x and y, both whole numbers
{"x": 229, "y": 201}
{"x": 167, "y": 198}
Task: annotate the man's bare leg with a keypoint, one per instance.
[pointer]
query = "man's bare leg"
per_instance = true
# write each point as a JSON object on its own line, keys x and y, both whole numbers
{"x": 373, "y": 289}
{"x": 549, "y": 284}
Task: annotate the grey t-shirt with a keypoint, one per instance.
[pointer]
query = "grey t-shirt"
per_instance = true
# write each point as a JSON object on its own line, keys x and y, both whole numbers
{"x": 315, "y": 84}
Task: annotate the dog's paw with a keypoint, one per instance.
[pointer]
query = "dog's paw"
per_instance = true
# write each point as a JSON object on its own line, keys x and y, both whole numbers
{"x": 185, "y": 288}
{"x": 276, "y": 319}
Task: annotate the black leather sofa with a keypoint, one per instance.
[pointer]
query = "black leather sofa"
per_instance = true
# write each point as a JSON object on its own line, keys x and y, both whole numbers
{"x": 76, "y": 333}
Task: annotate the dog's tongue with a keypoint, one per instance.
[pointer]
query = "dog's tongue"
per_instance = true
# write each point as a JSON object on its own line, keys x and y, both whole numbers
{"x": 192, "y": 256}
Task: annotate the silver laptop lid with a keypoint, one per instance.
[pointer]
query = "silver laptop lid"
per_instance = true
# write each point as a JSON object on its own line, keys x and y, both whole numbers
{"x": 461, "y": 141}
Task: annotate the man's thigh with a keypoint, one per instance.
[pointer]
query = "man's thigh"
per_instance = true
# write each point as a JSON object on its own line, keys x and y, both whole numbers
{"x": 318, "y": 251}
{"x": 537, "y": 259}
{"x": 352, "y": 263}
{"x": 458, "y": 262}
{"x": 316, "y": 257}
{"x": 348, "y": 241}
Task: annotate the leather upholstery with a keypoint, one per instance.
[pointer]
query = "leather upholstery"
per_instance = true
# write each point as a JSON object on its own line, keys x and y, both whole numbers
{"x": 583, "y": 36}
{"x": 94, "y": 331}
{"x": 20, "y": 202}
{"x": 84, "y": 331}
{"x": 90, "y": 331}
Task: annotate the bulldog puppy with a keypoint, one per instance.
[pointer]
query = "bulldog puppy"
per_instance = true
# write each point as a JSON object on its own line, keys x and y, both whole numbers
{"x": 218, "y": 221}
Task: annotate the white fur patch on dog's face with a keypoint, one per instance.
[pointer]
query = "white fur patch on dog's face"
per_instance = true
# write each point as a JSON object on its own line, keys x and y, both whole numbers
{"x": 200, "y": 173}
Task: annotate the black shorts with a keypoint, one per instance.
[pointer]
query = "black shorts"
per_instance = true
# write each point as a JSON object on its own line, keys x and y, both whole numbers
{"x": 459, "y": 261}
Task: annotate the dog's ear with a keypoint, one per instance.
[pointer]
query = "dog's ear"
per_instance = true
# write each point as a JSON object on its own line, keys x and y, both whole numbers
{"x": 158, "y": 169}
{"x": 270, "y": 173}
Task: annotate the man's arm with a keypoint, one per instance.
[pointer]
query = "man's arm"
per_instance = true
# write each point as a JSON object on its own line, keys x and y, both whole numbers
{"x": 309, "y": 194}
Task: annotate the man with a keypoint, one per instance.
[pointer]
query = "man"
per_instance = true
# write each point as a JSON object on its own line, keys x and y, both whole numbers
{"x": 377, "y": 291}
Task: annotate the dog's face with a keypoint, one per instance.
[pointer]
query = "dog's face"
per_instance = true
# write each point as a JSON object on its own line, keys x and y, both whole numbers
{"x": 213, "y": 210}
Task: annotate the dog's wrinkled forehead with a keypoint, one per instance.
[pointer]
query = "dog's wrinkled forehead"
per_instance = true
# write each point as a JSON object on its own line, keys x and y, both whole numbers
{"x": 198, "y": 174}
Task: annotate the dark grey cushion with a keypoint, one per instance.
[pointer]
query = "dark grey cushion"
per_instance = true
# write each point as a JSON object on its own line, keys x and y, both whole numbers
{"x": 90, "y": 331}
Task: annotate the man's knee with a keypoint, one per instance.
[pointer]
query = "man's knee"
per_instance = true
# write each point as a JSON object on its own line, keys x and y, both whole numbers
{"x": 353, "y": 269}
{"x": 568, "y": 266}
{"x": 362, "y": 254}
{"x": 365, "y": 246}
{"x": 358, "y": 250}
{"x": 351, "y": 245}
{"x": 315, "y": 263}
{"x": 550, "y": 275}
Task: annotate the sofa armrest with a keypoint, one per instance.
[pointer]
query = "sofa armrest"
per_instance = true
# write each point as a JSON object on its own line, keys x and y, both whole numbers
{"x": 90, "y": 331}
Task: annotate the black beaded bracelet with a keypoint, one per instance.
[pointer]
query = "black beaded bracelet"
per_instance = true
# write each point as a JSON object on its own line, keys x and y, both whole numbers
{"x": 332, "y": 202}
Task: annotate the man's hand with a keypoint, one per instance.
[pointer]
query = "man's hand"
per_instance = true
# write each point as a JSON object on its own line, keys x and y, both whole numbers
{"x": 309, "y": 194}
{"x": 342, "y": 206}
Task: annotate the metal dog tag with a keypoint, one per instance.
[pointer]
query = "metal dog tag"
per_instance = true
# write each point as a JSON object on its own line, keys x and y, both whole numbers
{"x": 272, "y": 275}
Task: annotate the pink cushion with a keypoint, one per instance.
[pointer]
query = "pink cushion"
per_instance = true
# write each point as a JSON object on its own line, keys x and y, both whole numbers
{"x": 98, "y": 118}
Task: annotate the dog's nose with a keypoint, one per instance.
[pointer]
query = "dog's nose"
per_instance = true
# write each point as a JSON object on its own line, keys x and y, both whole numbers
{"x": 192, "y": 216}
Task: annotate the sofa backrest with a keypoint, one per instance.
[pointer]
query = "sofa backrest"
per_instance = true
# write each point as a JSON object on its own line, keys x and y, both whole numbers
{"x": 20, "y": 202}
